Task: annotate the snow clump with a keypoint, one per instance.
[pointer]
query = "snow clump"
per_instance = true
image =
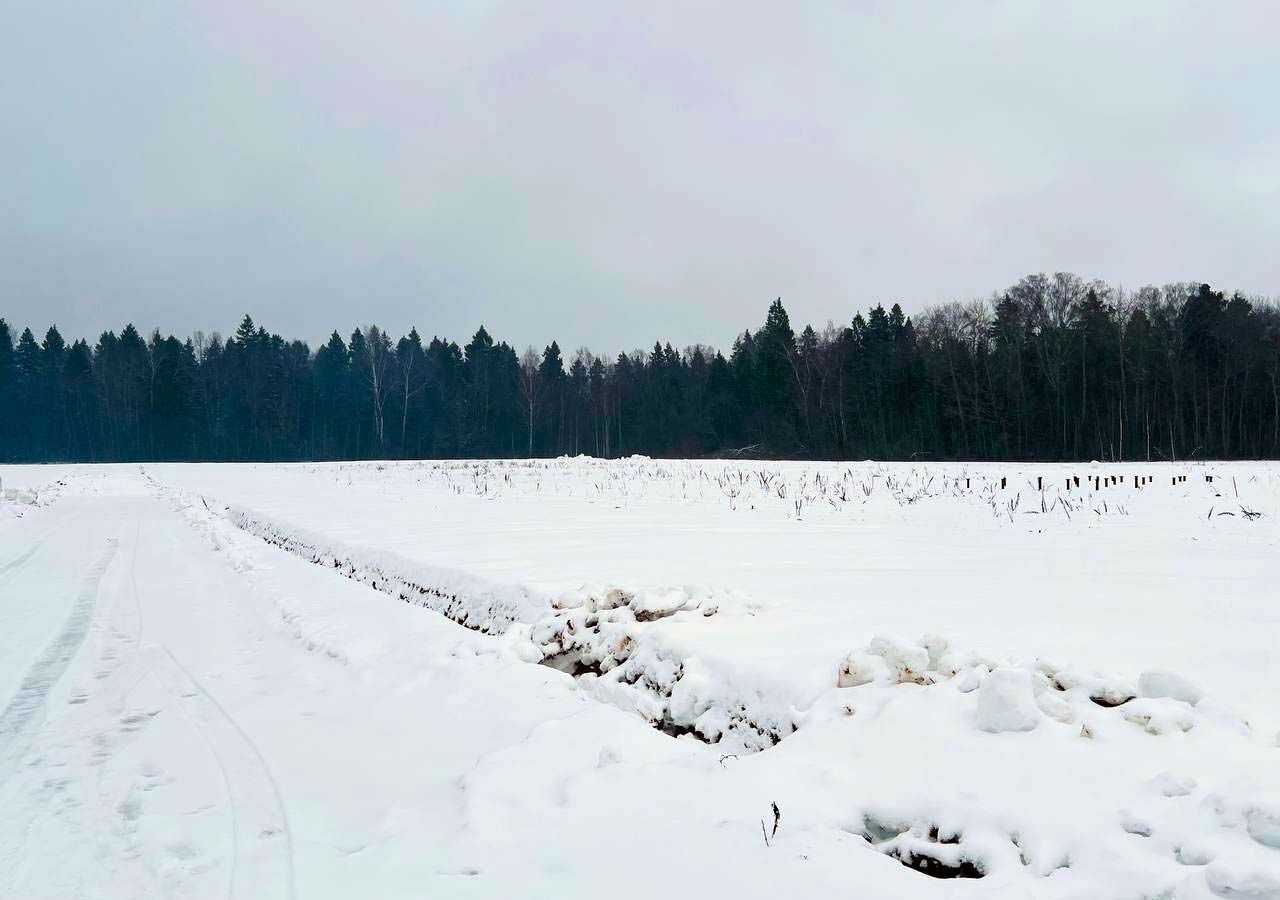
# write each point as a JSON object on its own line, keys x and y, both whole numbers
{"x": 1158, "y": 684}
{"x": 1006, "y": 702}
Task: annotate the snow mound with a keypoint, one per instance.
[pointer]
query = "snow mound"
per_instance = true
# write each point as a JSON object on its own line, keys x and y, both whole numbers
{"x": 1243, "y": 879}
{"x": 617, "y": 642}
{"x": 1263, "y": 823}
{"x": 1006, "y": 702}
{"x": 928, "y": 849}
{"x": 1169, "y": 684}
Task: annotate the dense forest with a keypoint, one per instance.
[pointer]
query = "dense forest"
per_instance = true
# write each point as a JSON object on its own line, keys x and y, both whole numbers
{"x": 1054, "y": 368}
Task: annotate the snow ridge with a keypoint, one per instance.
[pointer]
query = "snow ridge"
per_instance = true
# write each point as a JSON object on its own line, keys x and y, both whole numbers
{"x": 476, "y": 603}
{"x": 603, "y": 637}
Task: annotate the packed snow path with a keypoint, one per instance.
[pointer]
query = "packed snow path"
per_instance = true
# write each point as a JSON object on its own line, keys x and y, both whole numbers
{"x": 191, "y": 711}
{"x": 129, "y": 744}
{"x": 18, "y": 718}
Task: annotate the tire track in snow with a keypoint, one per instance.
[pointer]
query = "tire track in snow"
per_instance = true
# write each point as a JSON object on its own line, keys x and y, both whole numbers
{"x": 255, "y": 801}
{"x": 261, "y": 838}
{"x": 18, "y": 561}
{"x": 22, "y": 715}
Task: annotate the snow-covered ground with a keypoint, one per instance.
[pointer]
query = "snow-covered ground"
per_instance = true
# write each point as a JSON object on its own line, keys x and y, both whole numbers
{"x": 758, "y": 679}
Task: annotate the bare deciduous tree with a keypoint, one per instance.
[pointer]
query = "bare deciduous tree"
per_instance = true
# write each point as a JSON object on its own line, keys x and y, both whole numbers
{"x": 530, "y": 387}
{"x": 375, "y": 368}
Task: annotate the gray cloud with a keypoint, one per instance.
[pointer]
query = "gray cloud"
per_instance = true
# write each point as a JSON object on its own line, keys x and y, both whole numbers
{"x": 574, "y": 171}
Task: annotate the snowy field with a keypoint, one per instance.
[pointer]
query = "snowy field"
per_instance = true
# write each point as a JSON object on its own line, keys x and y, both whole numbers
{"x": 577, "y": 678}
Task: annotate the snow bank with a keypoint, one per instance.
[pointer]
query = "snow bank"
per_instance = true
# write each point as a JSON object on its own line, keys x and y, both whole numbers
{"x": 604, "y": 635}
{"x": 476, "y": 603}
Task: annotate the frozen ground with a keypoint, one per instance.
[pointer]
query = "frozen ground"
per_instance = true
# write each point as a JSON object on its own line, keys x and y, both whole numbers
{"x": 209, "y": 685}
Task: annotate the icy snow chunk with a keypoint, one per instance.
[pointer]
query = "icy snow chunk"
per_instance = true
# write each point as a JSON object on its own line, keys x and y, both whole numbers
{"x": 877, "y": 830}
{"x": 907, "y": 663}
{"x": 1047, "y": 667}
{"x": 1193, "y": 855}
{"x": 614, "y": 598}
{"x": 525, "y": 651}
{"x": 1263, "y": 822}
{"x": 1168, "y": 684}
{"x": 1104, "y": 690}
{"x": 653, "y": 605}
{"x": 1006, "y": 702}
{"x": 952, "y": 663}
{"x": 1135, "y": 825}
{"x": 970, "y": 679}
{"x": 18, "y": 495}
{"x": 572, "y": 599}
{"x": 1171, "y": 786}
{"x": 1238, "y": 879}
{"x": 1162, "y": 716}
{"x": 860, "y": 668}
{"x": 1053, "y": 706}
{"x": 936, "y": 647}
{"x": 1110, "y": 695}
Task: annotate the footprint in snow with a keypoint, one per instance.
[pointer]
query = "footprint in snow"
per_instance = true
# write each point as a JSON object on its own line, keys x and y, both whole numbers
{"x": 182, "y": 851}
{"x": 130, "y": 809}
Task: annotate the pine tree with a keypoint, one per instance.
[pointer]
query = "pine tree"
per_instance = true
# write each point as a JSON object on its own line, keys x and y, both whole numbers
{"x": 33, "y": 399}
{"x": 1054, "y": 367}
{"x": 8, "y": 393}
{"x": 551, "y": 375}
{"x": 775, "y": 385}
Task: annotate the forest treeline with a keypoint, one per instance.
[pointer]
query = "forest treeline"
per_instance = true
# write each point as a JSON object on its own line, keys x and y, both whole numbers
{"x": 1054, "y": 368}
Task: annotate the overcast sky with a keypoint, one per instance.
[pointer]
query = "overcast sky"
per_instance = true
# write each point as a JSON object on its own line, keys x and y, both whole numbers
{"x": 608, "y": 178}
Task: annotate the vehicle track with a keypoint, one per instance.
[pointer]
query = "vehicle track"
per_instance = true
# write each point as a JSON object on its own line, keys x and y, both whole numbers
{"x": 260, "y": 862}
{"x": 18, "y": 561}
{"x": 23, "y": 714}
{"x": 261, "y": 837}
{"x": 262, "y": 840}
